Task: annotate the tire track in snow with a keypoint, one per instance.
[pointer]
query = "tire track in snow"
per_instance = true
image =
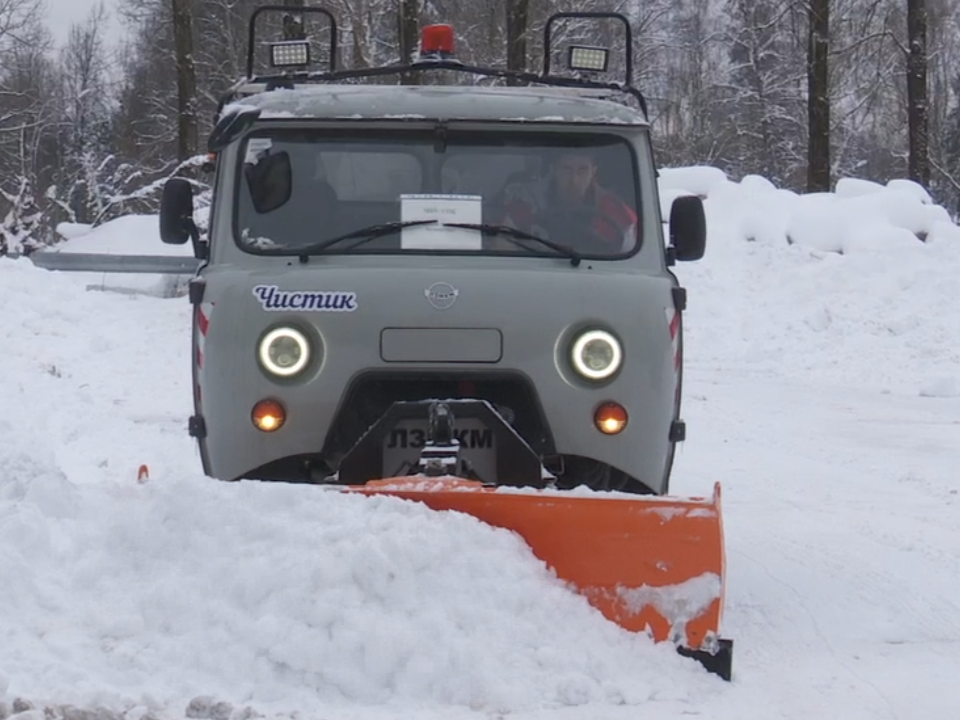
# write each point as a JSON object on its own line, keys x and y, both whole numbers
{"x": 836, "y": 567}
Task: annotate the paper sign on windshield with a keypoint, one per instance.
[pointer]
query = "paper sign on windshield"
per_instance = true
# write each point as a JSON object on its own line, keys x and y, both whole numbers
{"x": 256, "y": 147}
{"x": 443, "y": 209}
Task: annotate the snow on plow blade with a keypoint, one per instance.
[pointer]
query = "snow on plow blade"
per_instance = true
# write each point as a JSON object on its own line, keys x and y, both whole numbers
{"x": 650, "y": 564}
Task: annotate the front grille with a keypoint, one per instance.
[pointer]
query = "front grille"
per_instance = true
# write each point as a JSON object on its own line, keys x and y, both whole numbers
{"x": 371, "y": 394}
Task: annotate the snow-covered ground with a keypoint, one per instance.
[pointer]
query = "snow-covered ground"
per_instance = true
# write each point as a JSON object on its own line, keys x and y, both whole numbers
{"x": 822, "y": 390}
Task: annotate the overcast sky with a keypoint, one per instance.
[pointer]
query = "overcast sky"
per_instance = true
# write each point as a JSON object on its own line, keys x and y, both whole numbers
{"x": 62, "y": 13}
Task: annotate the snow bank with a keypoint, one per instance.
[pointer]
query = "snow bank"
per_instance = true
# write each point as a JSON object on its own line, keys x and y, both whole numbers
{"x": 696, "y": 180}
{"x": 127, "y": 235}
{"x": 835, "y": 285}
{"x": 843, "y": 221}
{"x": 70, "y": 230}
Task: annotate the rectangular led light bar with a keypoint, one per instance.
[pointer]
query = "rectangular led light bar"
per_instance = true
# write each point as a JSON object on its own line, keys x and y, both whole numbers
{"x": 290, "y": 53}
{"x": 583, "y": 57}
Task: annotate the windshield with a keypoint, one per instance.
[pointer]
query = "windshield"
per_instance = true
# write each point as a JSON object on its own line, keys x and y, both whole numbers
{"x": 396, "y": 192}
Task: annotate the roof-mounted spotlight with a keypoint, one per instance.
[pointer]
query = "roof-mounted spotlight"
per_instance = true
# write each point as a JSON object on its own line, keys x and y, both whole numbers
{"x": 588, "y": 58}
{"x": 290, "y": 53}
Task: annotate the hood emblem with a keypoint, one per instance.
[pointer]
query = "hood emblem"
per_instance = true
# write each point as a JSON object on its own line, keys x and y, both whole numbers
{"x": 441, "y": 295}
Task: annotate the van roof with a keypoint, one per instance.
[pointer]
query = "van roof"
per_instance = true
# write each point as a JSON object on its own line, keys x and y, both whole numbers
{"x": 448, "y": 102}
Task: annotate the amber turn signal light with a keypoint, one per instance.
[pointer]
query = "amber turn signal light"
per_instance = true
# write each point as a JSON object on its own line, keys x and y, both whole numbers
{"x": 610, "y": 418}
{"x": 268, "y": 415}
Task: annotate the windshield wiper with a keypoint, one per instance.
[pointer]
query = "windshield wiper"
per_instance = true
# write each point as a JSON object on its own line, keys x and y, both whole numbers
{"x": 515, "y": 235}
{"x": 368, "y": 233}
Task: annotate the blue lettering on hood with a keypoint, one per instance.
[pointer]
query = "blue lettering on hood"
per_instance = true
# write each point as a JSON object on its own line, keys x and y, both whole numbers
{"x": 274, "y": 299}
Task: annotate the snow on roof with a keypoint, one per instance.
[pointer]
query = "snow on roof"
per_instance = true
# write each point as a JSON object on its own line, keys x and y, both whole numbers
{"x": 461, "y": 102}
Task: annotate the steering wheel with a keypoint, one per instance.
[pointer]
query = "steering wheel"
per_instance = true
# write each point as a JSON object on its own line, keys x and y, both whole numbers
{"x": 577, "y": 227}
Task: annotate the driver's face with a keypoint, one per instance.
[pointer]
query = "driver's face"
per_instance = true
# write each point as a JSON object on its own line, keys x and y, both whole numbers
{"x": 573, "y": 175}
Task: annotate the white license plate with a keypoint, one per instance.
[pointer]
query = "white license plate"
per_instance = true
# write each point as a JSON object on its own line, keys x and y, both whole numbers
{"x": 402, "y": 446}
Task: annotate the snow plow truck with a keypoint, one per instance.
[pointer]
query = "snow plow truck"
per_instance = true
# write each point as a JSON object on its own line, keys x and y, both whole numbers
{"x": 451, "y": 284}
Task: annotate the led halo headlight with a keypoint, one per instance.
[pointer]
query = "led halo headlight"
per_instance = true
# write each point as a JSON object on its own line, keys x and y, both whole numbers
{"x": 596, "y": 355}
{"x": 284, "y": 351}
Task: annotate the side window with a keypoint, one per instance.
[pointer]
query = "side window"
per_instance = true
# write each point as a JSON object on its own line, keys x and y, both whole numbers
{"x": 370, "y": 176}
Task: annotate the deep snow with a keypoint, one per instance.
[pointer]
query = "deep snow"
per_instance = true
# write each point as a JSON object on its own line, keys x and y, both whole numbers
{"x": 822, "y": 390}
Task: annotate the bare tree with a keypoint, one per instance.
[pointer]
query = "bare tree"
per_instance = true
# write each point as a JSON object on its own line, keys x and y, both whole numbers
{"x": 918, "y": 111}
{"x": 86, "y": 135}
{"x": 186, "y": 79}
{"x": 818, "y": 97}
{"x": 518, "y": 20}
{"x": 15, "y": 17}
{"x": 683, "y": 62}
{"x": 27, "y": 121}
{"x": 766, "y": 105}
{"x": 801, "y": 91}
{"x": 408, "y": 25}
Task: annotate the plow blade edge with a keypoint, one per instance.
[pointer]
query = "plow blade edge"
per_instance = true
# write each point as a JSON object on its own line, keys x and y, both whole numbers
{"x": 650, "y": 564}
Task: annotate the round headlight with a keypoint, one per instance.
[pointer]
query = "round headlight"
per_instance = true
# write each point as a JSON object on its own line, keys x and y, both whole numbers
{"x": 596, "y": 355}
{"x": 284, "y": 351}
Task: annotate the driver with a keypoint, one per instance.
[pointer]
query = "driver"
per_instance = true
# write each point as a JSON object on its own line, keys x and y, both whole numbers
{"x": 571, "y": 187}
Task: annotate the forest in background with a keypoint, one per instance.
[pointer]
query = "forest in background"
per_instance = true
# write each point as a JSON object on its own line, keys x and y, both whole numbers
{"x": 802, "y": 92}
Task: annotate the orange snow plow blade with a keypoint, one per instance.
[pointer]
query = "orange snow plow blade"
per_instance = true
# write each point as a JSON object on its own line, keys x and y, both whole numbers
{"x": 648, "y": 563}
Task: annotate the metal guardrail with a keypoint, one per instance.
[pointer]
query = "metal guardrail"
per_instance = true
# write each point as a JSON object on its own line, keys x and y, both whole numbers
{"x": 102, "y": 262}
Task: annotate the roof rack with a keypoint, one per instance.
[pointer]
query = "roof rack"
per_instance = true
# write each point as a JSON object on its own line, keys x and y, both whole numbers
{"x": 292, "y": 56}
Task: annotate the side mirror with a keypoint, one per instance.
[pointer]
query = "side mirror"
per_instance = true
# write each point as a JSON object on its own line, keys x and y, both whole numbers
{"x": 176, "y": 213}
{"x": 688, "y": 228}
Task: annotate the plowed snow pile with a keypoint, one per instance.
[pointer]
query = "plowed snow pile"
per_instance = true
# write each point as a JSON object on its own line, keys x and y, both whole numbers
{"x": 142, "y": 598}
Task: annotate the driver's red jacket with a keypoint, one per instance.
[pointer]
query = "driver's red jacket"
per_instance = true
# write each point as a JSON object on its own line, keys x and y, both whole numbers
{"x": 614, "y": 220}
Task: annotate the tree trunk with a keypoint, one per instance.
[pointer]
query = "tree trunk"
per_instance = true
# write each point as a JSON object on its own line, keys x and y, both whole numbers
{"x": 518, "y": 17}
{"x": 408, "y": 26}
{"x": 186, "y": 79}
{"x": 294, "y": 27}
{"x": 917, "y": 106}
{"x": 818, "y": 98}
